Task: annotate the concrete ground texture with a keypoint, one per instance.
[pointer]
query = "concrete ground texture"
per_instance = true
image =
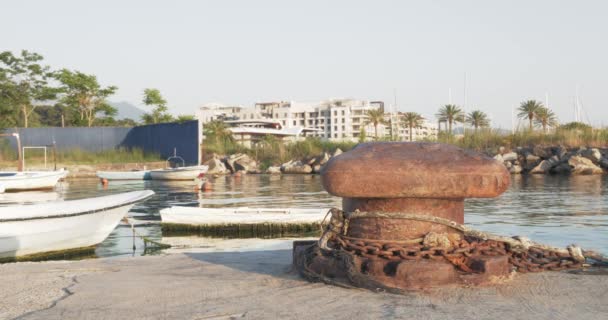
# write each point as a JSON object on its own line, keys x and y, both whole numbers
{"x": 262, "y": 285}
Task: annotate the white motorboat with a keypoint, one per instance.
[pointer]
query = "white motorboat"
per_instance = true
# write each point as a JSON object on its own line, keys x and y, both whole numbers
{"x": 124, "y": 175}
{"x": 62, "y": 225}
{"x": 30, "y": 180}
{"x": 226, "y": 216}
{"x": 181, "y": 173}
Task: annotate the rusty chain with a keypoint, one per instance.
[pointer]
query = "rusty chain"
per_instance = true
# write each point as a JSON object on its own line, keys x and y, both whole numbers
{"x": 533, "y": 260}
{"x": 530, "y": 258}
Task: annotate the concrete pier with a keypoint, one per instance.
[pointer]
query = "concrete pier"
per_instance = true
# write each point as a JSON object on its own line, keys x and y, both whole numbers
{"x": 261, "y": 285}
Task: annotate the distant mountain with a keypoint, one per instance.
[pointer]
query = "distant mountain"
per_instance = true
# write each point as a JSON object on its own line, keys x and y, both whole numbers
{"x": 127, "y": 110}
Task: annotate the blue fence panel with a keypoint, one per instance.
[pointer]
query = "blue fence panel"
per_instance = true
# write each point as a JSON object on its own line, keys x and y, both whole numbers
{"x": 163, "y": 138}
{"x": 92, "y": 139}
{"x": 158, "y": 138}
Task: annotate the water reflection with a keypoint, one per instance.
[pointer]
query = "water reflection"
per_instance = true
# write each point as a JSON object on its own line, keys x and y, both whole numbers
{"x": 555, "y": 210}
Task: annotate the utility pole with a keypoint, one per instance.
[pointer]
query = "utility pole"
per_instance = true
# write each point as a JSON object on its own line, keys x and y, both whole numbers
{"x": 464, "y": 106}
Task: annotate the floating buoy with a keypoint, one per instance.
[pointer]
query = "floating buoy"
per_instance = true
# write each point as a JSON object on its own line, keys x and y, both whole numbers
{"x": 104, "y": 182}
{"x": 206, "y": 186}
{"x": 237, "y": 174}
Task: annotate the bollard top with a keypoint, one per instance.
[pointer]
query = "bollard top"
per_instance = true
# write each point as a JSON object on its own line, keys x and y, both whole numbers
{"x": 413, "y": 170}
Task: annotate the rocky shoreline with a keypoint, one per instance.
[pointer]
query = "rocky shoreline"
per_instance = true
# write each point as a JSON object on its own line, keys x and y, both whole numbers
{"x": 520, "y": 160}
{"x": 554, "y": 160}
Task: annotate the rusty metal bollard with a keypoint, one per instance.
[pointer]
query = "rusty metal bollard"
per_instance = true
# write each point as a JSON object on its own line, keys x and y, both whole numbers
{"x": 427, "y": 179}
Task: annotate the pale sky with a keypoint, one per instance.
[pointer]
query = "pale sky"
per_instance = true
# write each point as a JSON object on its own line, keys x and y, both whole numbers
{"x": 240, "y": 52}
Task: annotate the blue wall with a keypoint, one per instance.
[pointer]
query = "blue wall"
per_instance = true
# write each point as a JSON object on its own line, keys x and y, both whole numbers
{"x": 159, "y": 138}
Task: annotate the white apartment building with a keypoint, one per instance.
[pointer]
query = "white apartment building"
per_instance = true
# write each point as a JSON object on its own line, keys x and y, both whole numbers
{"x": 333, "y": 119}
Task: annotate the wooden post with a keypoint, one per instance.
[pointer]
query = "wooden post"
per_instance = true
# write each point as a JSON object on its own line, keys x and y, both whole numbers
{"x": 19, "y": 150}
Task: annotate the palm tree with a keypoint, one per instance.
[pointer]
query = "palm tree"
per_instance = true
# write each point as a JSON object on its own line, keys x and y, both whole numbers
{"x": 528, "y": 109}
{"x": 451, "y": 114}
{"x": 478, "y": 118}
{"x": 412, "y": 120}
{"x": 375, "y": 117}
{"x": 218, "y": 130}
{"x": 544, "y": 117}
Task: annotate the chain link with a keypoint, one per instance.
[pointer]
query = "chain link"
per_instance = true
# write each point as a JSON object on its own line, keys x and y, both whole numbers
{"x": 532, "y": 260}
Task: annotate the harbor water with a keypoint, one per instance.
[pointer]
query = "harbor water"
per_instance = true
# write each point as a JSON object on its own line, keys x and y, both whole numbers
{"x": 556, "y": 210}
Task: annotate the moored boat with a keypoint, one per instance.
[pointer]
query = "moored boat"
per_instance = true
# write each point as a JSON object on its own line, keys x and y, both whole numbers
{"x": 244, "y": 216}
{"x": 30, "y": 180}
{"x": 62, "y": 225}
{"x": 181, "y": 173}
{"x": 124, "y": 175}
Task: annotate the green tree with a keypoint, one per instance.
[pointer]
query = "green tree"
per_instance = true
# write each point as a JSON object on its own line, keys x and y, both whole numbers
{"x": 375, "y": 117}
{"x": 544, "y": 117}
{"x": 478, "y": 119}
{"x": 362, "y": 135}
{"x": 412, "y": 120}
{"x": 528, "y": 109}
{"x": 218, "y": 131}
{"x": 185, "y": 117}
{"x": 85, "y": 96}
{"x": 23, "y": 85}
{"x": 159, "y": 114}
{"x": 451, "y": 114}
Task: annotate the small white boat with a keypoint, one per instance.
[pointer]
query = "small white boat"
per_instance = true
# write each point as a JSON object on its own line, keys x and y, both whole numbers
{"x": 30, "y": 180}
{"x": 124, "y": 175}
{"x": 181, "y": 173}
{"x": 223, "y": 216}
{"x": 62, "y": 225}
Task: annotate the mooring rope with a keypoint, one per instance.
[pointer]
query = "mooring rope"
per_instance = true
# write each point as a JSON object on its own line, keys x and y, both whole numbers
{"x": 145, "y": 239}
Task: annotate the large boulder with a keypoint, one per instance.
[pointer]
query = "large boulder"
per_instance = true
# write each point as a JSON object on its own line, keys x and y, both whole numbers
{"x": 247, "y": 164}
{"x": 510, "y": 156}
{"x": 229, "y": 161}
{"x": 273, "y": 170}
{"x": 542, "y": 152}
{"x": 216, "y": 166}
{"x": 296, "y": 167}
{"x": 545, "y": 166}
{"x": 581, "y": 165}
{"x": 515, "y": 169}
{"x": 531, "y": 161}
{"x": 562, "y": 168}
{"x": 603, "y": 163}
{"x": 592, "y": 154}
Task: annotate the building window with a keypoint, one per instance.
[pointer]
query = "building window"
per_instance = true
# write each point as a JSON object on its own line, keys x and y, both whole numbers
{"x": 342, "y": 120}
{"x": 343, "y": 128}
{"x": 336, "y": 128}
{"x": 328, "y": 121}
{"x": 302, "y": 122}
{"x": 284, "y": 115}
{"x": 335, "y": 114}
{"x": 294, "y": 122}
{"x": 342, "y": 112}
{"x": 335, "y": 135}
{"x": 284, "y": 123}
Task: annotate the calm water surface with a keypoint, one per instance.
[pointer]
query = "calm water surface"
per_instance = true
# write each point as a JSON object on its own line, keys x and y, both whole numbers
{"x": 555, "y": 210}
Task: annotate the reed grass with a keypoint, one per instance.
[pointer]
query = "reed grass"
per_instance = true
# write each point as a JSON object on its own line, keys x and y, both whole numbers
{"x": 490, "y": 140}
{"x": 8, "y": 156}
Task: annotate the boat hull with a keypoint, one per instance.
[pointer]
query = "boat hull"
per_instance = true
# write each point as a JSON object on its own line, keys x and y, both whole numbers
{"x": 210, "y": 216}
{"x": 124, "y": 175}
{"x": 184, "y": 173}
{"x": 27, "y": 235}
{"x": 18, "y": 181}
